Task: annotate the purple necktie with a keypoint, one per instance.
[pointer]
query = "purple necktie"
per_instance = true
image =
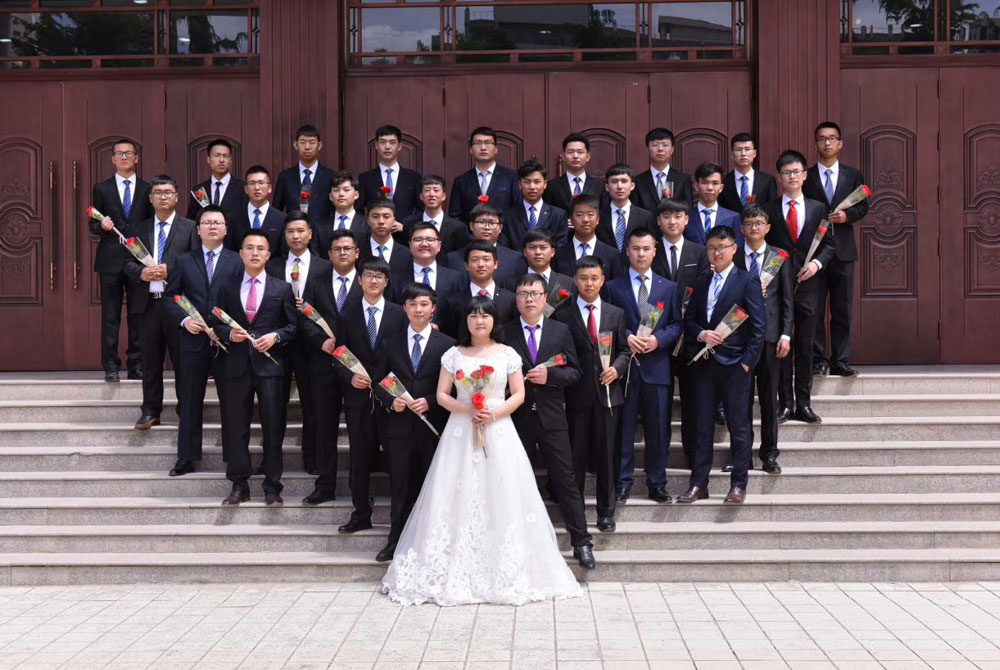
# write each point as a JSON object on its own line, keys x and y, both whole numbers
{"x": 532, "y": 344}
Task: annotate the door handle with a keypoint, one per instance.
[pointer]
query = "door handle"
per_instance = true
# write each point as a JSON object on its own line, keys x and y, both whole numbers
{"x": 76, "y": 233}
{"x": 52, "y": 225}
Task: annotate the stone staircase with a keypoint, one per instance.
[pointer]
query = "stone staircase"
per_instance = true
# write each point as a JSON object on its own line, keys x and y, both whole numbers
{"x": 900, "y": 483}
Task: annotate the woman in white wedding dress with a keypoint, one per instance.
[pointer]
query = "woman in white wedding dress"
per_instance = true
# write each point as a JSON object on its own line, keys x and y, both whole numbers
{"x": 479, "y": 532}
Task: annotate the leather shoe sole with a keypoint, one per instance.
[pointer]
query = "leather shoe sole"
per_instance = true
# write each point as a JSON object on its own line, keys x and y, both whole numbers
{"x": 147, "y": 422}
{"x": 736, "y": 496}
{"x": 316, "y": 498}
{"x": 353, "y": 526}
{"x": 692, "y": 494}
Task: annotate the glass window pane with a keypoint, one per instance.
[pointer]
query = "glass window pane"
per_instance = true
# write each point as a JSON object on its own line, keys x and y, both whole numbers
{"x": 208, "y": 32}
{"x": 401, "y": 29}
{"x": 578, "y": 26}
{"x": 76, "y": 34}
{"x": 975, "y": 21}
{"x": 881, "y": 21}
{"x": 684, "y": 24}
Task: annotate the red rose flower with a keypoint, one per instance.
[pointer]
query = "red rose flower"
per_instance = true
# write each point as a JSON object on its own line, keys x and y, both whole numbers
{"x": 386, "y": 383}
{"x": 559, "y": 359}
{"x": 476, "y": 374}
{"x": 483, "y": 198}
{"x": 488, "y": 369}
{"x": 460, "y": 375}
{"x": 563, "y": 294}
{"x": 740, "y": 314}
{"x": 867, "y": 191}
{"x": 751, "y": 199}
{"x": 821, "y": 230}
{"x": 478, "y": 400}
{"x": 340, "y": 351}
{"x": 90, "y": 211}
{"x": 386, "y": 190}
{"x": 216, "y": 311}
{"x": 690, "y": 289}
{"x": 130, "y": 240}
{"x": 659, "y": 305}
{"x": 177, "y": 297}
{"x": 783, "y": 253}
{"x": 308, "y": 310}
{"x": 304, "y": 195}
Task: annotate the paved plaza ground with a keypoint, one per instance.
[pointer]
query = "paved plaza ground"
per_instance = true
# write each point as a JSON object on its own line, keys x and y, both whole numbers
{"x": 614, "y": 626}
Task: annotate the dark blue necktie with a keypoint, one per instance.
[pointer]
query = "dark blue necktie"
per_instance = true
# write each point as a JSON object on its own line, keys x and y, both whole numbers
{"x": 161, "y": 242}
{"x": 372, "y": 327}
{"x": 127, "y": 198}
{"x": 210, "y": 264}
{"x": 744, "y": 189}
{"x": 754, "y": 266}
{"x": 415, "y": 354}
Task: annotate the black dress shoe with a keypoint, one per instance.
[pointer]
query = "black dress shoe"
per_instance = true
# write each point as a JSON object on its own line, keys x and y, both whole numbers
{"x": 386, "y": 553}
{"x": 692, "y": 494}
{"x": 807, "y": 415}
{"x": 182, "y": 467}
{"x": 257, "y": 469}
{"x": 354, "y": 525}
{"x": 784, "y": 415}
{"x": 237, "y": 496}
{"x": 820, "y": 369}
{"x": 771, "y": 465}
{"x": 317, "y": 497}
{"x": 585, "y": 557}
{"x": 606, "y": 524}
{"x": 728, "y": 467}
{"x": 273, "y": 499}
{"x": 135, "y": 373}
{"x": 843, "y": 371}
{"x": 312, "y": 471}
{"x": 147, "y": 421}
{"x": 622, "y": 495}
{"x": 659, "y": 494}
{"x": 112, "y": 376}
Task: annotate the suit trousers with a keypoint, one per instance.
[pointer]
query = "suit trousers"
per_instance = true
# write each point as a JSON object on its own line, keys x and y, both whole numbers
{"x": 298, "y": 364}
{"x": 766, "y": 377}
{"x": 239, "y": 396}
{"x": 198, "y": 366}
{"x": 558, "y": 457}
{"x": 689, "y": 432}
{"x": 366, "y": 430}
{"x": 160, "y": 336}
{"x": 327, "y": 403}
{"x": 803, "y": 341}
{"x": 711, "y": 382}
{"x": 410, "y": 457}
{"x": 837, "y": 281}
{"x": 785, "y": 393}
{"x": 653, "y": 400}
{"x": 592, "y": 434}
{"x": 113, "y": 289}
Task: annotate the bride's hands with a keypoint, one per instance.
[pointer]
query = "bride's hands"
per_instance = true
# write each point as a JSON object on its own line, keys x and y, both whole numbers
{"x": 482, "y": 417}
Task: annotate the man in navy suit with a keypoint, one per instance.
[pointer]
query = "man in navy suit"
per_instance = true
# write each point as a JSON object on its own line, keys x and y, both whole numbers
{"x": 661, "y": 180}
{"x": 308, "y": 175}
{"x": 222, "y": 189}
{"x": 650, "y": 382}
{"x": 538, "y": 254}
{"x": 425, "y": 269}
{"x": 485, "y": 178}
{"x": 486, "y": 224}
{"x": 744, "y": 184}
{"x": 619, "y": 216}
{"x": 725, "y": 374}
{"x": 198, "y": 277}
{"x": 263, "y": 308}
{"x": 403, "y": 183}
{"x": 584, "y": 215}
{"x": 258, "y": 213}
{"x": 830, "y": 181}
{"x": 124, "y": 201}
{"x": 454, "y": 234}
{"x": 575, "y": 158}
{"x": 344, "y": 194}
{"x": 532, "y": 213}
{"x": 707, "y": 213}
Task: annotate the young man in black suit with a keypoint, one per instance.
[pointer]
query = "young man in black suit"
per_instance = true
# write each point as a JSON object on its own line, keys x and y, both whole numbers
{"x": 593, "y": 403}
{"x": 541, "y": 420}
{"x": 575, "y": 157}
{"x": 199, "y": 275}
{"x": 778, "y": 306}
{"x": 485, "y": 178}
{"x": 167, "y": 236}
{"x": 300, "y": 267}
{"x": 424, "y": 247}
{"x": 264, "y": 309}
{"x": 309, "y": 175}
{"x": 661, "y": 180}
{"x": 258, "y": 212}
{"x": 725, "y": 374}
{"x": 487, "y": 225}
{"x": 584, "y": 215}
{"x": 532, "y": 213}
{"x": 707, "y": 212}
{"x": 454, "y": 234}
{"x": 801, "y": 217}
{"x": 539, "y": 250}
{"x": 331, "y": 294}
{"x": 413, "y": 355}
{"x": 222, "y": 189}
{"x": 744, "y": 181}
{"x": 619, "y": 216}
{"x": 380, "y": 243}
{"x": 344, "y": 195}
{"x": 403, "y": 183}
{"x": 362, "y": 328}
{"x": 830, "y": 181}
{"x": 124, "y": 201}
{"x": 481, "y": 268}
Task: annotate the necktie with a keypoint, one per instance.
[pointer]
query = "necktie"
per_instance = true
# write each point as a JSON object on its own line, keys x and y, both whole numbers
{"x": 828, "y": 186}
{"x": 296, "y": 268}
{"x": 643, "y": 297}
{"x": 161, "y": 241}
{"x": 659, "y": 184}
{"x": 716, "y": 288}
{"x": 343, "y": 222}
{"x": 251, "y": 308}
{"x": 532, "y": 219}
{"x": 576, "y": 189}
{"x": 754, "y": 265}
{"x": 372, "y": 328}
{"x": 381, "y": 251}
{"x": 592, "y": 324}
{"x": 744, "y": 189}
{"x": 673, "y": 262}
{"x": 483, "y": 293}
{"x": 427, "y": 275}
{"x": 256, "y": 219}
{"x": 388, "y": 181}
{"x": 210, "y": 264}
{"x": 342, "y": 293}
{"x": 306, "y": 179}
{"x": 792, "y": 221}
{"x": 708, "y": 220}
{"x": 532, "y": 342}
{"x": 218, "y": 193}
{"x": 127, "y": 198}
{"x": 483, "y": 186}
{"x": 620, "y": 230}
{"x": 415, "y": 353}
{"x": 584, "y": 248}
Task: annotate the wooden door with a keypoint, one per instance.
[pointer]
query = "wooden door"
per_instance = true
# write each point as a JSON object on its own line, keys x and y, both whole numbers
{"x": 890, "y": 123}
{"x": 34, "y": 279}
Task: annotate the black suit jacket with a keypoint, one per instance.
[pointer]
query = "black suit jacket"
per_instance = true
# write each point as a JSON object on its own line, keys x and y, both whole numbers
{"x": 352, "y": 332}
{"x": 511, "y": 264}
{"x": 276, "y": 313}
{"x": 780, "y": 237}
{"x": 447, "y": 282}
{"x": 273, "y": 225}
{"x": 765, "y": 190}
{"x": 844, "y": 245}
{"x": 323, "y": 232}
{"x": 692, "y": 264}
{"x": 190, "y": 279}
{"x": 400, "y": 259}
{"x": 449, "y": 319}
{"x": 778, "y": 301}
{"x": 111, "y": 253}
{"x": 289, "y": 185}
{"x": 233, "y": 199}
{"x": 583, "y": 395}
{"x": 548, "y": 400}
{"x": 464, "y": 195}
{"x": 559, "y": 194}
{"x": 565, "y": 259}
{"x": 515, "y": 225}
{"x": 454, "y": 234}
{"x": 182, "y": 238}
{"x": 645, "y": 194}
{"x": 320, "y": 294}
{"x": 637, "y": 218}
{"x": 405, "y": 192}
{"x": 395, "y": 358}
{"x": 318, "y": 267}
{"x": 744, "y": 344}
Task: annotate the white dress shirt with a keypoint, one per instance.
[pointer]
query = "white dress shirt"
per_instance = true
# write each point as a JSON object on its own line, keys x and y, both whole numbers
{"x": 538, "y": 210}
{"x": 834, "y": 175}
{"x": 582, "y": 305}
{"x": 701, "y": 215}
{"x": 395, "y": 174}
{"x": 157, "y": 253}
{"x": 627, "y": 210}
{"x": 222, "y": 192}
{"x": 666, "y": 176}
{"x": 387, "y": 254}
{"x": 263, "y": 212}
{"x": 303, "y": 270}
{"x": 336, "y": 282}
{"x": 538, "y": 333}
{"x": 432, "y": 276}
{"x": 570, "y": 178}
{"x": 711, "y": 300}
{"x": 578, "y": 246}
{"x": 436, "y": 220}
{"x": 737, "y": 175}
{"x": 489, "y": 176}
{"x": 679, "y": 244}
{"x": 245, "y": 289}
{"x": 632, "y": 274}
{"x": 379, "y": 311}
{"x": 312, "y": 171}
{"x": 424, "y": 336}
{"x": 120, "y": 181}
{"x": 347, "y": 222}
{"x": 490, "y": 290}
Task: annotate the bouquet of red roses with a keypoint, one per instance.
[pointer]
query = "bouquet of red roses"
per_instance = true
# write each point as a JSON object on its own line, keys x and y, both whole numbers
{"x": 733, "y": 319}
{"x": 304, "y": 196}
{"x": 396, "y": 389}
{"x": 557, "y": 296}
{"x": 477, "y": 381}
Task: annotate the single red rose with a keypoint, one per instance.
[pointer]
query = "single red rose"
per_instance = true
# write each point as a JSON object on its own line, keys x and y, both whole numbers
{"x": 130, "y": 240}
{"x": 690, "y": 289}
{"x": 308, "y": 310}
{"x": 740, "y": 314}
{"x": 386, "y": 383}
{"x": 659, "y": 305}
{"x": 90, "y": 211}
{"x": 216, "y": 311}
{"x": 576, "y": 195}
{"x": 488, "y": 369}
{"x": 483, "y": 198}
{"x": 295, "y": 276}
{"x": 867, "y": 191}
{"x": 460, "y": 375}
{"x": 559, "y": 359}
{"x": 476, "y": 374}
{"x": 386, "y": 190}
{"x": 563, "y": 294}
{"x": 783, "y": 253}
{"x": 304, "y": 195}
{"x": 751, "y": 199}
{"x": 821, "y": 230}
{"x": 478, "y": 400}
{"x": 340, "y": 351}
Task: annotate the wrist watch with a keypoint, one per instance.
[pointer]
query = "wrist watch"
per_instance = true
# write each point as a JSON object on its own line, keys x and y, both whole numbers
{"x": 277, "y": 338}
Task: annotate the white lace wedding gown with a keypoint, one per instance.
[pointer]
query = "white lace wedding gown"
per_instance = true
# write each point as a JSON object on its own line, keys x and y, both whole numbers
{"x": 479, "y": 532}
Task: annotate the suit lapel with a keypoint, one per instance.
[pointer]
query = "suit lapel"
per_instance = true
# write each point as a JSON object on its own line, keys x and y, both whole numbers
{"x": 724, "y": 297}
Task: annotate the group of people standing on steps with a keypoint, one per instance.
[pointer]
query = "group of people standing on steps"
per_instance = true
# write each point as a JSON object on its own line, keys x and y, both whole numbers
{"x": 533, "y": 322}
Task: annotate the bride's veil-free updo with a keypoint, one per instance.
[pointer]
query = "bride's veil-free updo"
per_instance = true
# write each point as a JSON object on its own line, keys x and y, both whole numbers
{"x": 483, "y": 305}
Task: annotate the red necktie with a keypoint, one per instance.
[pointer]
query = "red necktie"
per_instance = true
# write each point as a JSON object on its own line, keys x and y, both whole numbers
{"x": 792, "y": 219}
{"x": 592, "y": 324}
{"x": 483, "y": 293}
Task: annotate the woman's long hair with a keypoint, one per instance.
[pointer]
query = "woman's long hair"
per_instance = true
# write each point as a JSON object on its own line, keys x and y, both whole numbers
{"x": 479, "y": 304}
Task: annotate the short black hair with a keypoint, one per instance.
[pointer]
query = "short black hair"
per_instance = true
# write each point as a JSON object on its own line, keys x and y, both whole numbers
{"x": 827, "y": 124}
{"x": 297, "y": 215}
{"x": 374, "y": 264}
{"x": 588, "y": 263}
{"x": 386, "y": 130}
{"x": 380, "y": 202}
{"x": 256, "y": 169}
{"x": 531, "y": 278}
{"x": 789, "y": 156}
{"x": 754, "y": 211}
{"x": 308, "y": 130}
{"x": 487, "y": 208}
{"x": 576, "y": 137}
{"x": 219, "y": 142}
{"x": 254, "y": 232}
{"x": 531, "y": 166}
{"x": 742, "y": 137}
{"x": 619, "y": 169}
{"x": 659, "y": 134}
{"x": 538, "y": 235}
{"x": 425, "y": 225}
{"x": 340, "y": 176}
{"x": 670, "y": 206}
{"x": 164, "y": 180}
{"x": 419, "y": 290}
{"x": 720, "y": 233}
{"x": 211, "y": 208}
{"x": 480, "y": 245}
{"x": 638, "y": 231}
{"x": 341, "y": 234}
{"x": 482, "y": 130}
{"x": 125, "y": 140}
{"x": 479, "y": 304}
{"x": 433, "y": 180}
{"x": 706, "y": 170}
{"x": 585, "y": 200}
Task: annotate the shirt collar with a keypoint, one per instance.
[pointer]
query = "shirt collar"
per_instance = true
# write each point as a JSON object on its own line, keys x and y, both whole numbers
{"x": 263, "y": 210}
{"x": 424, "y": 334}
{"x": 260, "y": 277}
{"x": 679, "y": 244}
{"x": 119, "y": 180}
{"x": 702, "y": 209}
{"x": 380, "y": 305}
{"x": 387, "y": 245}
{"x": 349, "y": 215}
{"x": 537, "y": 206}
{"x": 225, "y": 180}
{"x": 582, "y": 304}
{"x": 572, "y": 184}
{"x": 835, "y": 167}
{"x": 169, "y": 219}
{"x": 632, "y": 274}
{"x": 350, "y": 275}
{"x": 785, "y": 200}
{"x": 747, "y": 250}
{"x": 312, "y": 170}
{"x": 205, "y": 250}
{"x": 438, "y": 220}
{"x": 654, "y": 171}
{"x": 418, "y": 270}
{"x": 303, "y": 259}
{"x": 725, "y": 273}
{"x": 488, "y": 170}
{"x": 627, "y": 208}
{"x": 394, "y": 167}
{"x": 737, "y": 174}
{"x": 491, "y": 289}
{"x": 592, "y": 242}
{"x": 525, "y": 324}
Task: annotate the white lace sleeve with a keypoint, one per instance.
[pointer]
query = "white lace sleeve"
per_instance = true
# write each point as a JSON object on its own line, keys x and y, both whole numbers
{"x": 513, "y": 359}
{"x": 449, "y": 361}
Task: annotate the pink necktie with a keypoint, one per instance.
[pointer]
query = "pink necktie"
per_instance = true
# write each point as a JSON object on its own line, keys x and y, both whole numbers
{"x": 251, "y": 308}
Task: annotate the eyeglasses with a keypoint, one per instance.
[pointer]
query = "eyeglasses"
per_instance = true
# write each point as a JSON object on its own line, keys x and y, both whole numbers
{"x": 529, "y": 295}
{"x": 257, "y": 184}
{"x": 212, "y": 224}
{"x": 123, "y": 154}
{"x": 827, "y": 139}
{"x": 163, "y": 194}
{"x": 424, "y": 240}
{"x": 484, "y": 143}
{"x": 376, "y": 277}
{"x": 792, "y": 173}
{"x": 486, "y": 224}
{"x": 342, "y": 250}
{"x": 718, "y": 251}
{"x": 754, "y": 224}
